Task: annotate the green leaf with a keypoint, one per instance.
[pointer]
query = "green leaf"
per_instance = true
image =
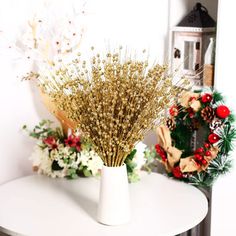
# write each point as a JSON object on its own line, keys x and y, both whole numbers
{"x": 87, "y": 173}
{"x": 217, "y": 97}
{"x": 55, "y": 166}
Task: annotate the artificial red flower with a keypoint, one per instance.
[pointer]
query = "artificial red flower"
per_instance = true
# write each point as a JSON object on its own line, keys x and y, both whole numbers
{"x": 77, "y": 144}
{"x": 213, "y": 138}
{"x": 177, "y": 172}
{"x": 73, "y": 141}
{"x": 206, "y": 98}
{"x": 51, "y": 142}
{"x": 222, "y": 111}
{"x": 70, "y": 141}
{"x": 173, "y": 110}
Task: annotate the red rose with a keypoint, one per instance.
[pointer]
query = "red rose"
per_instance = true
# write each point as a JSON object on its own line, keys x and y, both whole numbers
{"x": 222, "y": 111}
{"x": 206, "y": 98}
{"x": 213, "y": 138}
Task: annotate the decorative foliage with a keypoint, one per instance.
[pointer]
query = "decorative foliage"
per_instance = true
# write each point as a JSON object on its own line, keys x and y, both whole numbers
{"x": 114, "y": 100}
{"x": 197, "y": 115}
{"x": 57, "y": 155}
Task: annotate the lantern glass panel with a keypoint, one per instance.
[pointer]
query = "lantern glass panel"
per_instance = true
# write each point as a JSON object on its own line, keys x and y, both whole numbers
{"x": 189, "y": 55}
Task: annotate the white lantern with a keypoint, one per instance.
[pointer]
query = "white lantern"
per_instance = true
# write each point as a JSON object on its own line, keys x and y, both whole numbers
{"x": 190, "y": 39}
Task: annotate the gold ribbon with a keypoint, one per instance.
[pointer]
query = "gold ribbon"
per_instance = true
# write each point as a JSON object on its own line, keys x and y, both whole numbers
{"x": 187, "y": 164}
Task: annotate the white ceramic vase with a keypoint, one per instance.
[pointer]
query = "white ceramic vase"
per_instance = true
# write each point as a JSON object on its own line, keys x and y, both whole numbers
{"x": 114, "y": 202}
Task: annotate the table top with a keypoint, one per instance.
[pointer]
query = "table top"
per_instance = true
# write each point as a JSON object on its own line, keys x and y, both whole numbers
{"x": 38, "y": 205}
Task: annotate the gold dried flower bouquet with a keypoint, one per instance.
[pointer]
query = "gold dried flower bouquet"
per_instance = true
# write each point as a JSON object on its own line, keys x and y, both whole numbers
{"x": 114, "y": 100}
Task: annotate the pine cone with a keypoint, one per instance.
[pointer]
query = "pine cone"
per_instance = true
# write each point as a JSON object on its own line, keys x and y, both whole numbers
{"x": 208, "y": 114}
{"x": 170, "y": 123}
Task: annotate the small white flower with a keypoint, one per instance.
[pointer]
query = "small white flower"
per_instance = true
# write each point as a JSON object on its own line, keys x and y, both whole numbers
{"x": 139, "y": 157}
{"x": 95, "y": 163}
{"x": 84, "y": 157}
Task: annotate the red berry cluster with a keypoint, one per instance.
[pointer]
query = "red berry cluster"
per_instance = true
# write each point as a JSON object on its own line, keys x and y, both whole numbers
{"x": 177, "y": 172}
{"x": 160, "y": 151}
{"x": 200, "y": 153}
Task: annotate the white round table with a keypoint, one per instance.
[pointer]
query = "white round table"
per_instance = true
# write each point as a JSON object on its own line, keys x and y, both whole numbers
{"x": 40, "y": 206}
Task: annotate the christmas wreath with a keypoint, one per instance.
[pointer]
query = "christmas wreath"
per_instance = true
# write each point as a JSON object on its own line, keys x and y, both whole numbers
{"x": 196, "y": 141}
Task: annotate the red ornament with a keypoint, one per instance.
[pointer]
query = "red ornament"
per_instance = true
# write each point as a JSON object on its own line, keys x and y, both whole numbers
{"x": 207, "y": 153}
{"x": 213, "y": 138}
{"x": 222, "y": 111}
{"x": 177, "y": 172}
{"x": 206, "y": 98}
{"x": 174, "y": 111}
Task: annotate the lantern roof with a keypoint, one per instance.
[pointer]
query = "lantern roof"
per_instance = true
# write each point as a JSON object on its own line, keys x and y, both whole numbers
{"x": 198, "y": 18}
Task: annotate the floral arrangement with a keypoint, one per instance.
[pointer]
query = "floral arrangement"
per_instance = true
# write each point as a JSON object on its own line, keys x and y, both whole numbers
{"x": 197, "y": 116}
{"x": 73, "y": 156}
{"x": 114, "y": 100}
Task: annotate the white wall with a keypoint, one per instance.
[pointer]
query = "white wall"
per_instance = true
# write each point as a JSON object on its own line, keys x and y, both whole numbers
{"x": 224, "y": 191}
{"x": 136, "y": 24}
